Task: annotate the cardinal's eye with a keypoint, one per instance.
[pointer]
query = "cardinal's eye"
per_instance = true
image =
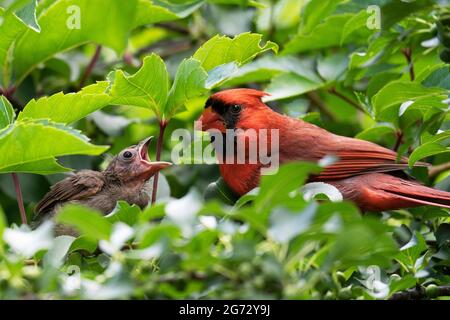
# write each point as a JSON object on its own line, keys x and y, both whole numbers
{"x": 236, "y": 108}
{"x": 127, "y": 155}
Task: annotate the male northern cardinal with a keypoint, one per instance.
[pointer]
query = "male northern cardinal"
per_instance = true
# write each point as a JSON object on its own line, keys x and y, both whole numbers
{"x": 125, "y": 179}
{"x": 364, "y": 172}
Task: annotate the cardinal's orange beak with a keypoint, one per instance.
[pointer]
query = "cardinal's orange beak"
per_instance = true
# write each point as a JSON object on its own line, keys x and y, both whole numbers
{"x": 210, "y": 120}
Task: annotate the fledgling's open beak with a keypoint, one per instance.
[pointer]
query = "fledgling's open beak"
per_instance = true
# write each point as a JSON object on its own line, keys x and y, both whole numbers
{"x": 150, "y": 168}
{"x": 210, "y": 120}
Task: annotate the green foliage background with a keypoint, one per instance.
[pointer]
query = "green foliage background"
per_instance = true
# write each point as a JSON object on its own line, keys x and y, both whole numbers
{"x": 327, "y": 62}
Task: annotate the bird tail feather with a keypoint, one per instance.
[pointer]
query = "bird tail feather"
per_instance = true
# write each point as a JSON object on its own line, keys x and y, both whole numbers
{"x": 423, "y": 195}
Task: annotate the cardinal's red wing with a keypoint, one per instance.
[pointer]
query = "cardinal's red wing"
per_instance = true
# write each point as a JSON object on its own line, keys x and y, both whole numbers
{"x": 304, "y": 141}
{"x": 355, "y": 157}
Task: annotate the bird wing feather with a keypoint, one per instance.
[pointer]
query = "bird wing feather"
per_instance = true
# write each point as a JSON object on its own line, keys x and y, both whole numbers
{"x": 84, "y": 184}
{"x": 354, "y": 156}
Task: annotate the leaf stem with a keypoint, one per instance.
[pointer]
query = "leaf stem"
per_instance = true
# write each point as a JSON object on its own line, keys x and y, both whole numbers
{"x": 315, "y": 99}
{"x": 435, "y": 170}
{"x": 162, "y": 128}
{"x": 407, "y": 52}
{"x": 398, "y": 141}
{"x": 90, "y": 67}
{"x": 346, "y": 99}
{"x": 173, "y": 26}
{"x": 16, "y": 181}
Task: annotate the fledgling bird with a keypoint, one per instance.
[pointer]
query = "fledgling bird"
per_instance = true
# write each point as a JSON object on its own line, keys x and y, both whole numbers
{"x": 125, "y": 178}
{"x": 364, "y": 172}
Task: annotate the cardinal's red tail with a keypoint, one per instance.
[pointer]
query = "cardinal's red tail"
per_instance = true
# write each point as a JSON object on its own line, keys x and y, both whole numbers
{"x": 380, "y": 192}
{"x": 423, "y": 195}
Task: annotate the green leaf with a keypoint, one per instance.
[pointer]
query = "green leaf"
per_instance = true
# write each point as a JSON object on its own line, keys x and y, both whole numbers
{"x": 124, "y": 212}
{"x": 220, "y": 74}
{"x": 147, "y": 88}
{"x": 44, "y": 166}
{"x": 3, "y": 226}
{"x": 412, "y": 250}
{"x": 6, "y": 113}
{"x": 28, "y": 15}
{"x": 67, "y": 108}
{"x": 87, "y": 221}
{"x": 354, "y": 24}
{"x": 394, "y": 11}
{"x": 285, "y": 225}
{"x": 158, "y": 232}
{"x": 333, "y": 66}
{"x": 438, "y": 78}
{"x": 431, "y": 148}
{"x": 30, "y": 146}
{"x": 397, "y": 92}
{"x": 266, "y": 67}
{"x": 374, "y": 245}
{"x": 10, "y": 29}
{"x": 220, "y": 190}
{"x": 274, "y": 188}
{"x": 404, "y": 283}
{"x": 83, "y": 243}
{"x": 287, "y": 85}
{"x": 158, "y": 11}
{"x": 315, "y": 11}
{"x": 189, "y": 82}
{"x": 374, "y": 133}
{"x": 70, "y": 23}
{"x": 324, "y": 35}
{"x": 55, "y": 256}
{"x": 240, "y": 49}
{"x": 442, "y": 234}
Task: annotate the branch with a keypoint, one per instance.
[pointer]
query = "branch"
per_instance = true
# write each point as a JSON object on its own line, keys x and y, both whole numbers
{"x": 90, "y": 67}
{"x": 23, "y": 214}
{"x": 398, "y": 141}
{"x": 172, "y": 26}
{"x": 346, "y": 99}
{"x": 166, "y": 48}
{"x": 420, "y": 292}
{"x": 435, "y": 170}
{"x": 408, "y": 55}
{"x": 315, "y": 98}
{"x": 9, "y": 94}
{"x": 162, "y": 127}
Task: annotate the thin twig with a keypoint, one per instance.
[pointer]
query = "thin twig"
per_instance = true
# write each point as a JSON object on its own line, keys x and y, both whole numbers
{"x": 166, "y": 48}
{"x": 346, "y": 99}
{"x": 419, "y": 292}
{"x": 162, "y": 127}
{"x": 435, "y": 170}
{"x": 172, "y": 26}
{"x": 90, "y": 67}
{"x": 16, "y": 181}
{"x": 398, "y": 141}
{"x": 9, "y": 94}
{"x": 408, "y": 55}
{"x": 315, "y": 98}
{"x": 271, "y": 29}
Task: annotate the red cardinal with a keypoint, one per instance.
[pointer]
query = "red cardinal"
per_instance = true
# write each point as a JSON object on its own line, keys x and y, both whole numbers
{"x": 365, "y": 173}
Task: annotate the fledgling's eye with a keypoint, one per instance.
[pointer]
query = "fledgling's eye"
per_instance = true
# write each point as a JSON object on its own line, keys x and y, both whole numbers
{"x": 236, "y": 108}
{"x": 127, "y": 155}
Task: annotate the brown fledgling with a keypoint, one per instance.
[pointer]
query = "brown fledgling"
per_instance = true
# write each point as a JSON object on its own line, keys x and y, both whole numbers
{"x": 126, "y": 178}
